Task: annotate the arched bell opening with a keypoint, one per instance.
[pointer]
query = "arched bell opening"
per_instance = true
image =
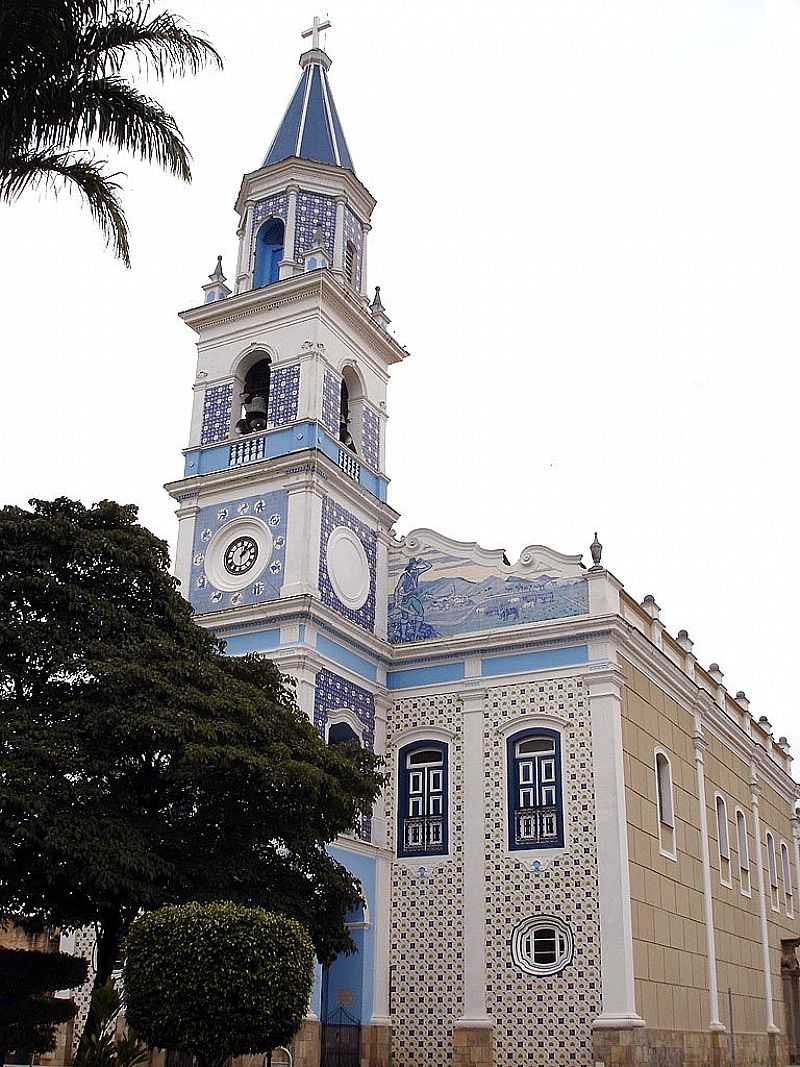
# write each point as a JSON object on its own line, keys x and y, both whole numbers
{"x": 351, "y": 406}
{"x": 269, "y": 253}
{"x": 255, "y": 398}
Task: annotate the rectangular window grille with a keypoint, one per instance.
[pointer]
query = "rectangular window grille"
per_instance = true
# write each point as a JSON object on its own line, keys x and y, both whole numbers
{"x": 537, "y": 826}
{"x": 248, "y": 451}
{"x": 349, "y": 464}
{"x": 350, "y": 263}
{"x": 424, "y": 834}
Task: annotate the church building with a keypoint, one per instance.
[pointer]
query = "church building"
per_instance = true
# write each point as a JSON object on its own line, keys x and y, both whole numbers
{"x": 588, "y": 851}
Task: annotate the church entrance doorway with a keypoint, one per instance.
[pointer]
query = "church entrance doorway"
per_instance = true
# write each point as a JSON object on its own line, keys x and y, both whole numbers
{"x": 340, "y": 1040}
{"x": 790, "y": 974}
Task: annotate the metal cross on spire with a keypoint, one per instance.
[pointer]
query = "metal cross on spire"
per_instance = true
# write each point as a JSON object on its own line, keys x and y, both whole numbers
{"x": 317, "y": 25}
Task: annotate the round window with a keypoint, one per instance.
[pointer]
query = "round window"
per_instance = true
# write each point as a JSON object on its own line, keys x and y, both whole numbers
{"x": 542, "y": 945}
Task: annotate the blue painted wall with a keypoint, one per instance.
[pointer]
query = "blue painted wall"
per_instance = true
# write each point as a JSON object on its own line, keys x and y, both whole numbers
{"x": 355, "y": 973}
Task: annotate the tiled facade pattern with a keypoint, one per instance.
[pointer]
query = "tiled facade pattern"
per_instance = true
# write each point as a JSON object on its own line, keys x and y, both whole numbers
{"x": 314, "y": 209}
{"x": 271, "y": 508}
{"x": 276, "y": 206}
{"x": 284, "y": 391}
{"x": 427, "y": 925}
{"x": 354, "y": 233}
{"x": 332, "y": 692}
{"x": 331, "y": 400}
{"x": 543, "y": 1020}
{"x": 217, "y": 404}
{"x": 84, "y": 946}
{"x": 334, "y": 515}
{"x": 370, "y": 438}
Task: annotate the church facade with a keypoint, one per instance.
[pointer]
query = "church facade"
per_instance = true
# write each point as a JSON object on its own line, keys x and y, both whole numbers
{"x": 587, "y": 851}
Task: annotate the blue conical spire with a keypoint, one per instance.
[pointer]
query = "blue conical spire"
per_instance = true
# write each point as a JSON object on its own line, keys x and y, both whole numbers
{"x": 311, "y": 128}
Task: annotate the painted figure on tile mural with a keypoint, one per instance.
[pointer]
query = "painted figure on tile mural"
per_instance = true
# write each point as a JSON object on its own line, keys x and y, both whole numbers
{"x": 407, "y": 601}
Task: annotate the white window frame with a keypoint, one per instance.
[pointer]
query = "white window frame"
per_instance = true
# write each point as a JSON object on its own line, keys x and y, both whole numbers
{"x": 665, "y": 805}
{"x": 348, "y": 717}
{"x": 533, "y": 721}
{"x": 788, "y": 888}
{"x": 526, "y": 929}
{"x": 772, "y": 871}
{"x": 723, "y": 841}
{"x": 745, "y": 880}
{"x": 408, "y": 737}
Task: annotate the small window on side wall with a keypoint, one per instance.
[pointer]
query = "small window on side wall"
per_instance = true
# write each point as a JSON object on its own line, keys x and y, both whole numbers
{"x": 744, "y": 853}
{"x": 723, "y": 841}
{"x": 772, "y": 868}
{"x": 788, "y": 889}
{"x": 423, "y": 802}
{"x": 535, "y": 790}
{"x": 665, "y": 803}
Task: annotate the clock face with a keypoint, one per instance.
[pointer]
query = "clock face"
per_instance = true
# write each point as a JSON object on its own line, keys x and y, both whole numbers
{"x": 240, "y": 555}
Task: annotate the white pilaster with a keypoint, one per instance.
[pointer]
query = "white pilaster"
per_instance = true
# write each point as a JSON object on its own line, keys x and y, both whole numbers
{"x": 474, "y": 871}
{"x": 365, "y": 231}
{"x": 338, "y": 237}
{"x": 762, "y": 904}
{"x": 287, "y": 265}
{"x": 244, "y": 276}
{"x": 304, "y": 522}
{"x": 714, "y": 1022}
{"x": 616, "y": 929}
{"x": 183, "y": 551}
{"x": 382, "y": 584}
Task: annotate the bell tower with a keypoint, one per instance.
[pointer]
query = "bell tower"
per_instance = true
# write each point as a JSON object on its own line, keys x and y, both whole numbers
{"x": 284, "y": 525}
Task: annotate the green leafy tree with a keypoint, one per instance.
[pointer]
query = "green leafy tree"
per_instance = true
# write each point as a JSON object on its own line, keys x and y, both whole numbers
{"x": 139, "y": 766}
{"x": 217, "y": 980}
{"x": 64, "y": 87}
{"x": 29, "y": 1013}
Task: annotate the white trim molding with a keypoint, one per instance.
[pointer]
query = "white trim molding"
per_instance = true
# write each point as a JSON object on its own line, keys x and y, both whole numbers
{"x": 714, "y": 1022}
{"x": 605, "y": 688}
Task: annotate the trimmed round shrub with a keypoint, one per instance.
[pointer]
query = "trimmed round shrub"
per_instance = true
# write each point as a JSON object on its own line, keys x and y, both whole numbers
{"x": 217, "y": 980}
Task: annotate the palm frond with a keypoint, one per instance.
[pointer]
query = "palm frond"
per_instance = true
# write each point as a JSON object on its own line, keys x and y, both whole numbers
{"x": 162, "y": 43}
{"x": 85, "y": 174}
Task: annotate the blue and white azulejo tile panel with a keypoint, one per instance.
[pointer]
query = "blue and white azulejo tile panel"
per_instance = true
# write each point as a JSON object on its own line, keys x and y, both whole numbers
{"x": 276, "y": 206}
{"x": 355, "y": 234}
{"x": 332, "y": 692}
{"x": 314, "y": 209}
{"x": 370, "y": 438}
{"x": 270, "y": 508}
{"x": 216, "y": 413}
{"x": 334, "y": 515}
{"x": 284, "y": 390}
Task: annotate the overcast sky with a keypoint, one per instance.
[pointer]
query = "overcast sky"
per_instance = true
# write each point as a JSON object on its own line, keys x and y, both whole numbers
{"x": 588, "y": 236}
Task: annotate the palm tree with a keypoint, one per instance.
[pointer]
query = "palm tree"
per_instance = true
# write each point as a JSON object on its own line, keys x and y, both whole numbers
{"x": 63, "y": 89}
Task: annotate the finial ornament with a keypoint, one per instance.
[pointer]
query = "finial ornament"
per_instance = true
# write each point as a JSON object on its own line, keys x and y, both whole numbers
{"x": 217, "y": 274}
{"x": 316, "y": 27}
{"x": 215, "y": 288}
{"x": 597, "y": 553}
{"x": 378, "y": 311}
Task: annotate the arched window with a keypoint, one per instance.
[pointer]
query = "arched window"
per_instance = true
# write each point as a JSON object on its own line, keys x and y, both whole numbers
{"x": 666, "y": 805}
{"x": 723, "y": 843}
{"x": 788, "y": 889}
{"x": 772, "y": 867}
{"x": 351, "y": 400}
{"x": 269, "y": 253}
{"x": 342, "y": 733}
{"x": 422, "y": 808}
{"x": 350, "y": 263}
{"x": 744, "y": 852}
{"x": 535, "y": 799}
{"x": 255, "y": 398}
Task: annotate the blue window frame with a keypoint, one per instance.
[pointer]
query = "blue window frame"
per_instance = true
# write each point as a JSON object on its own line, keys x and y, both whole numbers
{"x": 422, "y": 808}
{"x": 269, "y": 253}
{"x": 535, "y": 791}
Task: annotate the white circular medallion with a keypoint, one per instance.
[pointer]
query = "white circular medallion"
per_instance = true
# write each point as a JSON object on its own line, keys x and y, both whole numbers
{"x": 348, "y": 568}
{"x": 237, "y": 553}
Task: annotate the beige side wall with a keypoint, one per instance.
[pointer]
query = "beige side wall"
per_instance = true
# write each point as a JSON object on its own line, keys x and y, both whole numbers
{"x": 668, "y": 928}
{"x": 669, "y": 943}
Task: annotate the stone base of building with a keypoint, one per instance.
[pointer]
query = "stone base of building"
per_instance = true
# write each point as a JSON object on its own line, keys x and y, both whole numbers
{"x": 676, "y": 1048}
{"x": 473, "y": 1046}
{"x": 376, "y": 1046}
{"x": 305, "y": 1046}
